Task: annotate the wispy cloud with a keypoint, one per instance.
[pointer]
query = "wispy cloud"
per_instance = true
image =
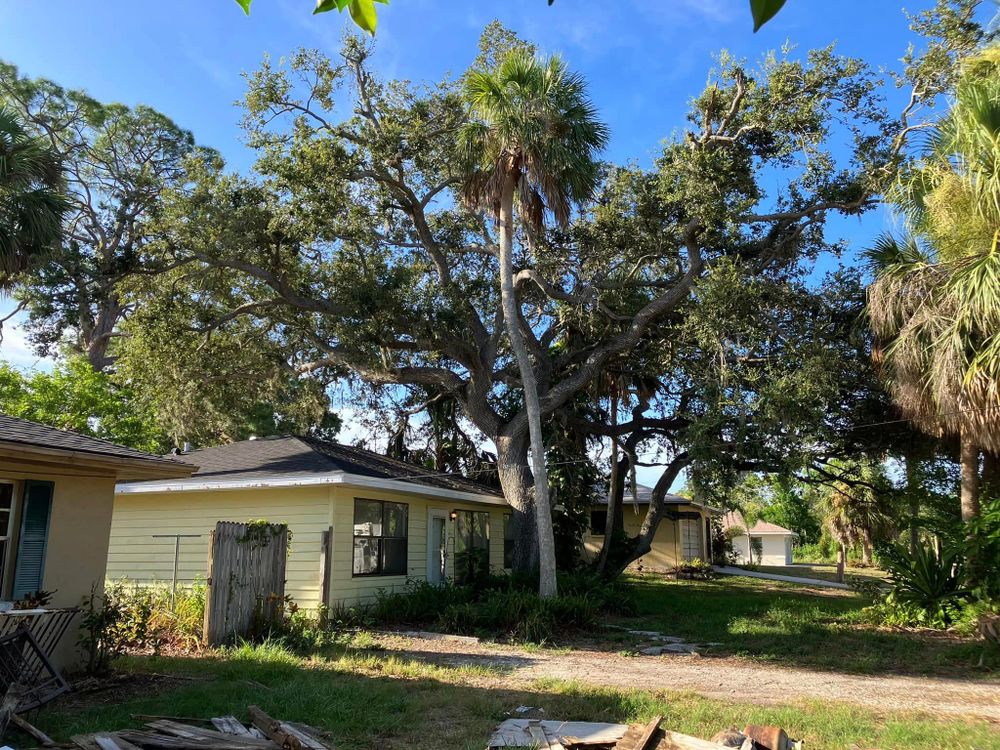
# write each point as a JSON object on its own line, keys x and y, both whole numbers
{"x": 14, "y": 347}
{"x": 224, "y": 76}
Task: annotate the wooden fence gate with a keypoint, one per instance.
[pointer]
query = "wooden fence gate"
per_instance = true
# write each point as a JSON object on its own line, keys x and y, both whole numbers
{"x": 246, "y": 580}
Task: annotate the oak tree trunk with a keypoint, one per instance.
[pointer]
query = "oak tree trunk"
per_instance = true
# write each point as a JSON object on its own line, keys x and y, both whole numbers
{"x": 654, "y": 514}
{"x": 516, "y": 481}
{"x": 616, "y": 498}
{"x": 508, "y": 297}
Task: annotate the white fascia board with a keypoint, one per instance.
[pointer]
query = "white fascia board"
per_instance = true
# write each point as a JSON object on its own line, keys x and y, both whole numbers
{"x": 304, "y": 480}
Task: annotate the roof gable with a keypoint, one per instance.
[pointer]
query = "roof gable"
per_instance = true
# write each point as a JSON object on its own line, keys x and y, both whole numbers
{"x": 735, "y": 519}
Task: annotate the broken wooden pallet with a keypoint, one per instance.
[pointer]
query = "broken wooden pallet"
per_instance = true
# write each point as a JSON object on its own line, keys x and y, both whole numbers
{"x": 227, "y": 733}
{"x": 585, "y": 735}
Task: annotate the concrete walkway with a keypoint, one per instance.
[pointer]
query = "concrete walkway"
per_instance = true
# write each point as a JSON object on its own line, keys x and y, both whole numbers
{"x": 730, "y": 571}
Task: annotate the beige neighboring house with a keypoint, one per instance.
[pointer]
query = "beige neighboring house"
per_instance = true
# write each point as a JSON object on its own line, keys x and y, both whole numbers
{"x": 776, "y": 541}
{"x": 360, "y": 522}
{"x": 56, "y": 499}
{"x": 684, "y": 533}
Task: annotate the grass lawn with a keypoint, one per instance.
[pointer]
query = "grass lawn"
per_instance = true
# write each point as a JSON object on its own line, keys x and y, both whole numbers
{"x": 367, "y": 699}
{"x": 783, "y": 623}
{"x": 823, "y": 571}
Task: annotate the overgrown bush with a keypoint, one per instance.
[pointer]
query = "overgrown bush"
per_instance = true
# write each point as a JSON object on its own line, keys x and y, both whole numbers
{"x": 692, "y": 570}
{"x": 128, "y": 616}
{"x": 499, "y": 605}
{"x": 722, "y": 544}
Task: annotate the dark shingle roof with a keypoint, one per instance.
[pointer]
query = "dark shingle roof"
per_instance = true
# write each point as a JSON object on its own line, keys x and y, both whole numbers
{"x": 23, "y": 432}
{"x": 290, "y": 457}
{"x": 643, "y": 495}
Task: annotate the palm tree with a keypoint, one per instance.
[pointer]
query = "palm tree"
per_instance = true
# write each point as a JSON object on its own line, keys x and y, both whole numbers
{"x": 935, "y": 304}
{"x": 531, "y": 142}
{"x": 31, "y": 202}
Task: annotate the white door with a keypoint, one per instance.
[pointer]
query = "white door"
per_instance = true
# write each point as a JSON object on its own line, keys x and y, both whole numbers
{"x": 691, "y": 538}
{"x": 437, "y": 545}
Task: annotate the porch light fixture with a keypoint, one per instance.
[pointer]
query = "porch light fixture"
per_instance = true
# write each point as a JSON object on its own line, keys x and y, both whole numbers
{"x": 453, "y": 515}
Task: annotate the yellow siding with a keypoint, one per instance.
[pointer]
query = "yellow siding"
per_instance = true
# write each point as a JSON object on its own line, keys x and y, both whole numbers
{"x": 308, "y": 511}
{"x": 345, "y": 587}
{"x": 135, "y": 554}
{"x": 665, "y": 552}
{"x": 76, "y": 550}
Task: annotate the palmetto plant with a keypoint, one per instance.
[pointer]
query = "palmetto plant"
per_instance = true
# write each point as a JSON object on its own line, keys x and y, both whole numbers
{"x": 530, "y": 145}
{"x": 31, "y": 202}
{"x": 935, "y": 304}
{"x": 925, "y": 577}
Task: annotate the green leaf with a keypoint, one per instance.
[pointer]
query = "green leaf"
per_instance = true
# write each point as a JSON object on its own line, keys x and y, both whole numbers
{"x": 763, "y": 11}
{"x": 322, "y": 6}
{"x": 363, "y": 13}
{"x": 245, "y": 4}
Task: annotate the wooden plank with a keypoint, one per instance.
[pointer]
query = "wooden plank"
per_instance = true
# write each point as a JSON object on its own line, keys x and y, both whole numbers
{"x": 106, "y": 742}
{"x": 30, "y": 729}
{"x": 307, "y": 738}
{"x": 209, "y": 735}
{"x": 538, "y": 735}
{"x": 173, "y": 742}
{"x": 514, "y": 732}
{"x": 85, "y": 741}
{"x": 677, "y": 741}
{"x": 272, "y": 729}
{"x": 124, "y": 744}
{"x": 639, "y": 736}
{"x": 230, "y": 725}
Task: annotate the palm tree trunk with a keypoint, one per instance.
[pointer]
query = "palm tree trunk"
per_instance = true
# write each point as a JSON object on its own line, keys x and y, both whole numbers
{"x": 914, "y": 500}
{"x": 991, "y": 474}
{"x": 841, "y": 561}
{"x": 866, "y": 547}
{"x": 970, "y": 479}
{"x": 543, "y": 511}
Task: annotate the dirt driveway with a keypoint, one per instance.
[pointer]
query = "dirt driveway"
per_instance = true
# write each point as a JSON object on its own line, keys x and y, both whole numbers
{"x": 727, "y": 678}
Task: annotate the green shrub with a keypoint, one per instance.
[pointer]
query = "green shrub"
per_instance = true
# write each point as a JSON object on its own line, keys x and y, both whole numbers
{"x": 926, "y": 578}
{"x": 693, "y": 570}
{"x": 503, "y": 606}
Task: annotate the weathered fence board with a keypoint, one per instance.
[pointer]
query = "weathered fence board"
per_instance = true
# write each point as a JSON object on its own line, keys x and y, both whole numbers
{"x": 246, "y": 579}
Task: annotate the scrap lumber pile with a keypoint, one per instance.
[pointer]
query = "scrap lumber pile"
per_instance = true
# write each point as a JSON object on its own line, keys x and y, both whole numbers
{"x": 586, "y": 735}
{"x": 227, "y": 733}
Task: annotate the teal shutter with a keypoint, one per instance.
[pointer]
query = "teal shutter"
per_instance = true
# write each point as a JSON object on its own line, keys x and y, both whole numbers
{"x": 30, "y": 566}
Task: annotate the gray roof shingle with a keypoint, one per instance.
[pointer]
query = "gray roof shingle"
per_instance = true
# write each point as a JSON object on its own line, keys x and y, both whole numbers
{"x": 292, "y": 456}
{"x": 26, "y": 433}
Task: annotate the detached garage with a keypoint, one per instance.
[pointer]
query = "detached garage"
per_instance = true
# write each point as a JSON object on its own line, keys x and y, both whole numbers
{"x": 775, "y": 541}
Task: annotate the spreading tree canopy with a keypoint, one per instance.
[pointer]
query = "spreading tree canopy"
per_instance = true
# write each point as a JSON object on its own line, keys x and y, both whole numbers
{"x": 352, "y": 253}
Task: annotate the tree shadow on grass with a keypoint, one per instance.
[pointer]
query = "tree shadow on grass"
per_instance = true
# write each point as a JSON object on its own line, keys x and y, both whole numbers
{"x": 799, "y": 627}
{"x": 382, "y": 702}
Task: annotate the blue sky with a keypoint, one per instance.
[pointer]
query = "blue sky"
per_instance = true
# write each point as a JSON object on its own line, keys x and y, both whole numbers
{"x": 644, "y": 59}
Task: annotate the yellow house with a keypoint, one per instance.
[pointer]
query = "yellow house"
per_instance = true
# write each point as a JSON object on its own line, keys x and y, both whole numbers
{"x": 56, "y": 499}
{"x": 360, "y": 522}
{"x": 684, "y": 533}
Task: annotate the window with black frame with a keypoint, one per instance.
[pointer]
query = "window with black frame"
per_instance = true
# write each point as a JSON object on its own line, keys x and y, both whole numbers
{"x": 380, "y": 537}
{"x": 472, "y": 546}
